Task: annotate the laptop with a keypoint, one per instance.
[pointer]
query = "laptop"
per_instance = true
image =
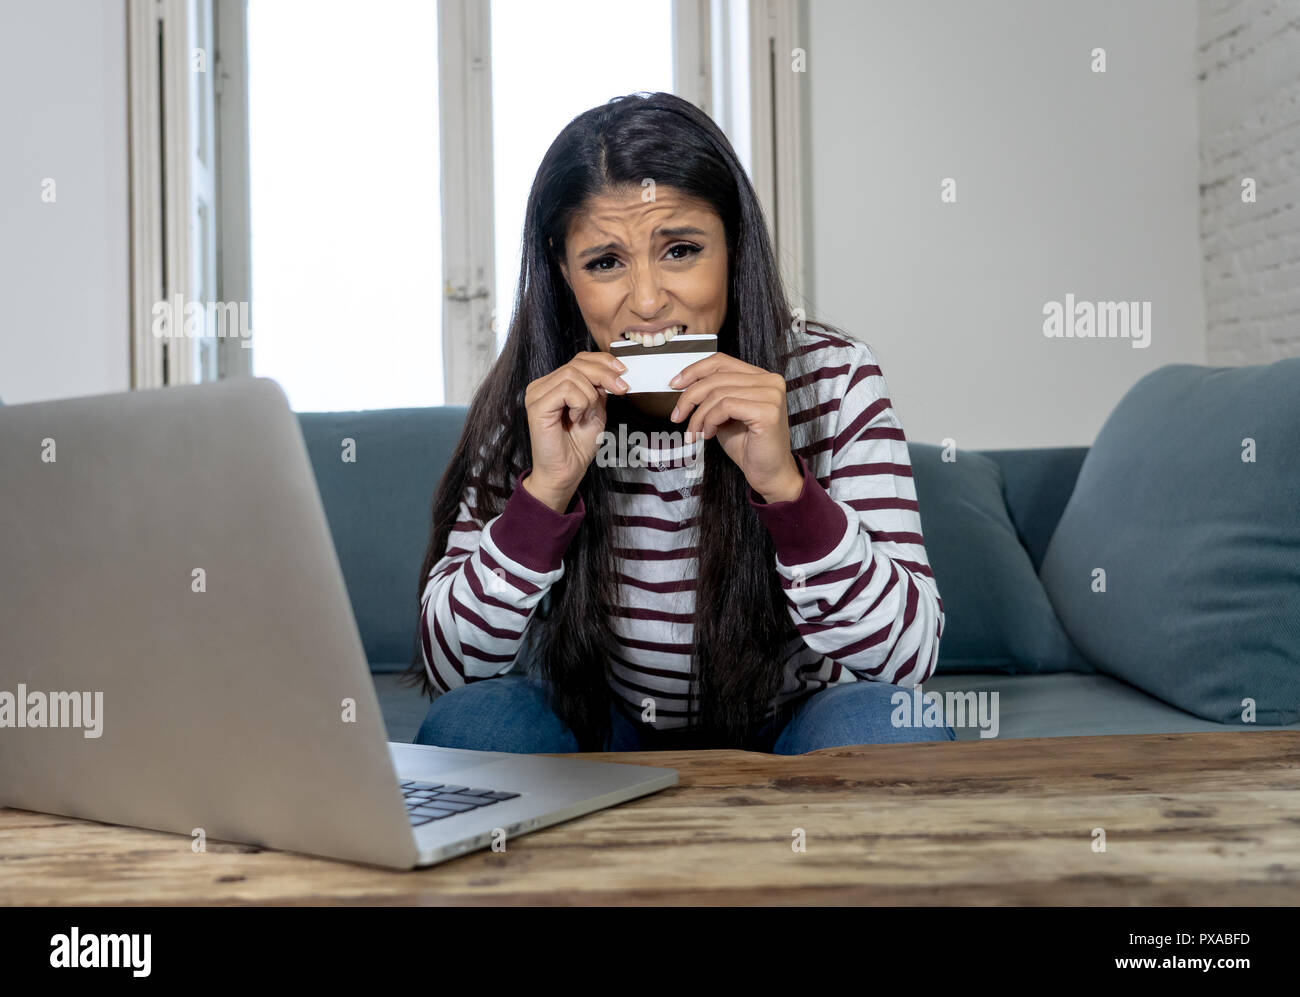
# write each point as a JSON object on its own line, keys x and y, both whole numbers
{"x": 178, "y": 650}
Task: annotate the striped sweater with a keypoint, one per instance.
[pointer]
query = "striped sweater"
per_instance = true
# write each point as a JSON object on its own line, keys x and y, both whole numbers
{"x": 849, "y": 552}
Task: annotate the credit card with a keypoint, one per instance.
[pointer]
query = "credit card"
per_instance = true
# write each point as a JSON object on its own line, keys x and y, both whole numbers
{"x": 650, "y": 368}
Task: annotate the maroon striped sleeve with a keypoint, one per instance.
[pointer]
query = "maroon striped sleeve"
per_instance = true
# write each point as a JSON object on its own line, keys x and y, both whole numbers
{"x": 531, "y": 533}
{"x": 804, "y": 529}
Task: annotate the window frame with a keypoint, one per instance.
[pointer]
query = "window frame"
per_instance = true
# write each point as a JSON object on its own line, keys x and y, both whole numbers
{"x": 234, "y": 231}
{"x": 470, "y": 306}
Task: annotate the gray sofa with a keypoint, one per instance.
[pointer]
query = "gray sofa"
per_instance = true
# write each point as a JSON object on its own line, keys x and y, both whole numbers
{"x": 379, "y": 510}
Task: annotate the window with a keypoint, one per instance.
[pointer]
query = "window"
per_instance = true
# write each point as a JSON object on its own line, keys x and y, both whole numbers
{"x": 373, "y": 163}
{"x": 344, "y": 201}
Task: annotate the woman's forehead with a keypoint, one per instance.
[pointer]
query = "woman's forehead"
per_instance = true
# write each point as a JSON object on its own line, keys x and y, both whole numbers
{"x": 630, "y": 208}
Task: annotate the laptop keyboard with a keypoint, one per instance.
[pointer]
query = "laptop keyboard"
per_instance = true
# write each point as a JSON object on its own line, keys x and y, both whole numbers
{"x": 430, "y": 801}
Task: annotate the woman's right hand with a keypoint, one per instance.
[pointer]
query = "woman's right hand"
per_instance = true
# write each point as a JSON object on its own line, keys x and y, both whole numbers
{"x": 566, "y": 415}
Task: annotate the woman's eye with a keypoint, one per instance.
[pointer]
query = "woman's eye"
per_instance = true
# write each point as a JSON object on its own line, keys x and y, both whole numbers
{"x": 688, "y": 251}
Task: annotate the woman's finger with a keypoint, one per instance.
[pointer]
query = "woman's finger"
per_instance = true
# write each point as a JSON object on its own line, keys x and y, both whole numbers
{"x": 690, "y": 399}
{"x": 569, "y": 392}
{"x": 605, "y": 375}
{"x": 711, "y": 365}
{"x": 591, "y": 362}
{"x": 586, "y": 389}
{"x": 751, "y": 411}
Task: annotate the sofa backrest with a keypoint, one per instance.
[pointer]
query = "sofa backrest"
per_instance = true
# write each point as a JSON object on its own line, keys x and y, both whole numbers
{"x": 379, "y": 507}
{"x": 380, "y": 510}
{"x": 1037, "y": 484}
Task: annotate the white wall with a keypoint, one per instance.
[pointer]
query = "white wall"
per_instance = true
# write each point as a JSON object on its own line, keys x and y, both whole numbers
{"x": 1249, "y": 57}
{"x": 1067, "y": 181}
{"x": 64, "y": 266}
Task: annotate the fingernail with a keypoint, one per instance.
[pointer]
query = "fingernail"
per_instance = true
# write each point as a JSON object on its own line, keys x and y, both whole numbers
{"x": 621, "y": 383}
{"x": 675, "y": 416}
{"x": 673, "y": 382}
{"x": 622, "y": 367}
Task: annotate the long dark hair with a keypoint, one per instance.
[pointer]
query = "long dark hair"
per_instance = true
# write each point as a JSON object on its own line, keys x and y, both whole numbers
{"x": 742, "y": 626}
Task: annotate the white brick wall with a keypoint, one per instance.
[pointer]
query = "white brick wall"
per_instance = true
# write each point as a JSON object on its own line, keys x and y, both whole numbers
{"x": 1248, "y": 59}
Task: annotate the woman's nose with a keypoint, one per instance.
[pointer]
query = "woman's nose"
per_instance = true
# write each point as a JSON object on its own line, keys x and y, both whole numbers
{"x": 647, "y": 293}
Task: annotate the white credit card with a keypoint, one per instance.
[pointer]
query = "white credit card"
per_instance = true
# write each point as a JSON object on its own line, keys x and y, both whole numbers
{"x": 651, "y": 368}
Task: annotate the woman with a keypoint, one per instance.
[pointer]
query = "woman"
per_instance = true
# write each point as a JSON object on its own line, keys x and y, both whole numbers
{"x": 756, "y": 580}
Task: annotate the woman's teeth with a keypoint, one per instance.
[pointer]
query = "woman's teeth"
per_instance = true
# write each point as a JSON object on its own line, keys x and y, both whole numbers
{"x": 654, "y": 338}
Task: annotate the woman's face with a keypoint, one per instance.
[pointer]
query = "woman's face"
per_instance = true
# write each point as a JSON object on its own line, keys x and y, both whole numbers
{"x": 639, "y": 268}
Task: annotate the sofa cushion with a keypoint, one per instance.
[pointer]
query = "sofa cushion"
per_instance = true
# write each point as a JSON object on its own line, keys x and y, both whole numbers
{"x": 379, "y": 509}
{"x": 1036, "y": 706}
{"x": 997, "y": 616}
{"x": 1176, "y": 563}
{"x": 1037, "y": 483}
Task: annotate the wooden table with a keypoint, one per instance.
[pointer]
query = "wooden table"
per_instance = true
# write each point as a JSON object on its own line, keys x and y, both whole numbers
{"x": 1188, "y": 819}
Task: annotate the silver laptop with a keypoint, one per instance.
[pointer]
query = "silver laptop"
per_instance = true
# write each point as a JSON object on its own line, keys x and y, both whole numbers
{"x": 178, "y": 651}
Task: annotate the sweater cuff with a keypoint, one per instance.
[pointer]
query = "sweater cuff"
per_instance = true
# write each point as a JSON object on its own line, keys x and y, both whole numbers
{"x": 531, "y": 533}
{"x": 806, "y": 528}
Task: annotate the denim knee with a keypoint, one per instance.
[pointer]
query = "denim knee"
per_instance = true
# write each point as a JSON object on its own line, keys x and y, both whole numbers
{"x": 853, "y": 713}
{"x": 505, "y": 713}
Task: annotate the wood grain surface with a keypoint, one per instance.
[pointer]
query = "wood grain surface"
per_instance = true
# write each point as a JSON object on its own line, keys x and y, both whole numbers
{"x": 1188, "y": 819}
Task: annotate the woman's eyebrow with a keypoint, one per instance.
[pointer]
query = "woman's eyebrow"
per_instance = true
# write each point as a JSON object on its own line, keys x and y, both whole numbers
{"x": 676, "y": 232}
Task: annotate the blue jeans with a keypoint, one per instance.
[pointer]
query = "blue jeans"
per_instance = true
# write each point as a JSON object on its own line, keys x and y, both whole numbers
{"x": 512, "y": 713}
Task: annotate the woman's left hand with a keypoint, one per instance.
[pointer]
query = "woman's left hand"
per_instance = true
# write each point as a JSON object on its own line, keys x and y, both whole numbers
{"x": 746, "y": 407}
